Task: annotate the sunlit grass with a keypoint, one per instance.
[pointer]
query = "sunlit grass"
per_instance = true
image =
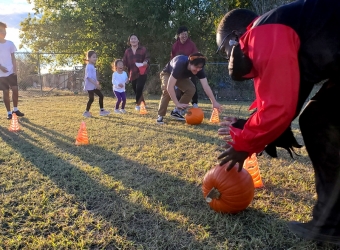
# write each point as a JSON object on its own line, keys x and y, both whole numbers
{"x": 137, "y": 185}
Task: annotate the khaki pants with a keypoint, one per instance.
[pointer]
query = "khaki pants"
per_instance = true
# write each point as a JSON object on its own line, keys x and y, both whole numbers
{"x": 185, "y": 85}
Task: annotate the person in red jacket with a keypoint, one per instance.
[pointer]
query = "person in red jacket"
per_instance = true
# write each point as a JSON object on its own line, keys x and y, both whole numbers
{"x": 287, "y": 51}
{"x": 185, "y": 46}
{"x": 132, "y": 55}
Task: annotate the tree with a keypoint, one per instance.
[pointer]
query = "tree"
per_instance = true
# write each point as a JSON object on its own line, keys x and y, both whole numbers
{"x": 65, "y": 26}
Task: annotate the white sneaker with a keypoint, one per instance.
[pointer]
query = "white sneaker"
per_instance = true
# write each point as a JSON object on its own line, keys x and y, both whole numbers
{"x": 195, "y": 105}
{"x": 160, "y": 120}
{"x": 104, "y": 112}
{"x": 137, "y": 108}
{"x": 122, "y": 111}
{"x": 87, "y": 114}
{"x": 117, "y": 111}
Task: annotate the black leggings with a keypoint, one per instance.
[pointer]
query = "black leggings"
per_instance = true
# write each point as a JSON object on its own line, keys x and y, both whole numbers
{"x": 320, "y": 128}
{"x": 138, "y": 87}
{"x": 91, "y": 98}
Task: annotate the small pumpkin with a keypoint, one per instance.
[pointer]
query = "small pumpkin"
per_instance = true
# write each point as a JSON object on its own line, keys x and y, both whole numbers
{"x": 228, "y": 192}
{"x": 194, "y": 116}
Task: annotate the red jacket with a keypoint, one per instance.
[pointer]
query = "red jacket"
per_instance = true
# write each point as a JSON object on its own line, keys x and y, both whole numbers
{"x": 276, "y": 81}
{"x": 292, "y": 48}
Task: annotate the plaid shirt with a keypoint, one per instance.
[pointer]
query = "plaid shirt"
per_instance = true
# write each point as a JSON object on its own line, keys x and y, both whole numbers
{"x": 130, "y": 59}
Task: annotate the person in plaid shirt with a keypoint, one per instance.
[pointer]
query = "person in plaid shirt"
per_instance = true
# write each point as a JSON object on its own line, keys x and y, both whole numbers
{"x": 136, "y": 54}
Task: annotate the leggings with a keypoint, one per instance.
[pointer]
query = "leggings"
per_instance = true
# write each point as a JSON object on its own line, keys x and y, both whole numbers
{"x": 121, "y": 98}
{"x": 91, "y": 98}
{"x": 138, "y": 87}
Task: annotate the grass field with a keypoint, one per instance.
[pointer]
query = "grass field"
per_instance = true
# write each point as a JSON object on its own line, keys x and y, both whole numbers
{"x": 137, "y": 185}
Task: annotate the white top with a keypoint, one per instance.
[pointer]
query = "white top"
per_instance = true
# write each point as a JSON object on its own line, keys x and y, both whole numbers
{"x": 6, "y": 51}
{"x": 119, "y": 78}
{"x": 90, "y": 72}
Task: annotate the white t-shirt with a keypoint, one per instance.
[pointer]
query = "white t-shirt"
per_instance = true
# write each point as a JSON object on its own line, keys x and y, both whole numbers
{"x": 6, "y": 51}
{"x": 90, "y": 72}
{"x": 119, "y": 78}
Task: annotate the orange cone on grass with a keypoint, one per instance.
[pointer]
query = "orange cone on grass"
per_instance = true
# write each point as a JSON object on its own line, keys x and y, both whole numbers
{"x": 14, "y": 127}
{"x": 82, "y": 138}
{"x": 215, "y": 116}
{"x": 252, "y": 166}
{"x": 142, "y": 109}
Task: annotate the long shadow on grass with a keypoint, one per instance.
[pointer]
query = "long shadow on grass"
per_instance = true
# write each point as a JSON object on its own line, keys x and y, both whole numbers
{"x": 173, "y": 194}
{"x": 179, "y": 130}
{"x": 133, "y": 221}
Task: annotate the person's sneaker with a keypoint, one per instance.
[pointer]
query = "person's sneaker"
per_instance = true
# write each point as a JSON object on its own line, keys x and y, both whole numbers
{"x": 177, "y": 115}
{"x": 9, "y": 116}
{"x": 137, "y": 108}
{"x": 122, "y": 111}
{"x": 182, "y": 112}
{"x": 310, "y": 232}
{"x": 87, "y": 114}
{"x": 160, "y": 120}
{"x": 117, "y": 111}
{"x": 195, "y": 105}
{"x": 18, "y": 113}
{"x": 104, "y": 112}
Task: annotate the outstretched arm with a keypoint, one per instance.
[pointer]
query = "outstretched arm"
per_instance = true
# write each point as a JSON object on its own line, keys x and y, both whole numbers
{"x": 276, "y": 87}
{"x": 209, "y": 93}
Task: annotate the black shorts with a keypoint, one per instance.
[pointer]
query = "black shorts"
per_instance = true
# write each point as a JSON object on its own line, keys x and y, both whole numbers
{"x": 8, "y": 81}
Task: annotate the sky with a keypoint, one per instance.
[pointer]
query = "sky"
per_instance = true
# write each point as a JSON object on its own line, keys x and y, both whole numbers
{"x": 12, "y": 12}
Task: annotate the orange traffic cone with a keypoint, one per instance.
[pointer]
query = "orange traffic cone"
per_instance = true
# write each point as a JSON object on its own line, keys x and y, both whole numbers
{"x": 142, "y": 109}
{"x": 252, "y": 166}
{"x": 82, "y": 138}
{"x": 14, "y": 127}
{"x": 215, "y": 116}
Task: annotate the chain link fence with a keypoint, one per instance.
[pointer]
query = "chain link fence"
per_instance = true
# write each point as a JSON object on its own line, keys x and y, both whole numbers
{"x": 38, "y": 75}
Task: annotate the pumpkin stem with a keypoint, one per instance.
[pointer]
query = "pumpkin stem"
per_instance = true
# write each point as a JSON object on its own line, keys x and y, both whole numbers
{"x": 213, "y": 194}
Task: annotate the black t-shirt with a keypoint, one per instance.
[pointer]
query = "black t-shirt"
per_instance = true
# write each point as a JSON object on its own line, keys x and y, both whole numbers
{"x": 178, "y": 68}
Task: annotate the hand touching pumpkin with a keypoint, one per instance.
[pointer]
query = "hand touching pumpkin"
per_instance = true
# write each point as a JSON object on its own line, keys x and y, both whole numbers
{"x": 231, "y": 155}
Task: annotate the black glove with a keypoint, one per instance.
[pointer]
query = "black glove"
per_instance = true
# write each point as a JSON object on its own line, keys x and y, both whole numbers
{"x": 239, "y": 123}
{"x": 286, "y": 140}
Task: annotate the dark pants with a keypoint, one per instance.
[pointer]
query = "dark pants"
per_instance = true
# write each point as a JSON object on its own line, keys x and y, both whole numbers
{"x": 6, "y": 83}
{"x": 121, "y": 98}
{"x": 91, "y": 98}
{"x": 138, "y": 87}
{"x": 194, "y": 99}
{"x": 320, "y": 128}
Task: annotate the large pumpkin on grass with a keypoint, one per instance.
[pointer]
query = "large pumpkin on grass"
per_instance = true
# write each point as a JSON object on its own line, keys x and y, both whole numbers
{"x": 228, "y": 192}
{"x": 194, "y": 116}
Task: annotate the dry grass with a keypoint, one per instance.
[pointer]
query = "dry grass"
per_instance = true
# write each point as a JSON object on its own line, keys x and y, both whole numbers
{"x": 137, "y": 185}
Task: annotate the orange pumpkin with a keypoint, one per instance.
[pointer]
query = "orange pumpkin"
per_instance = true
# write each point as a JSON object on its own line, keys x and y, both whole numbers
{"x": 194, "y": 116}
{"x": 228, "y": 192}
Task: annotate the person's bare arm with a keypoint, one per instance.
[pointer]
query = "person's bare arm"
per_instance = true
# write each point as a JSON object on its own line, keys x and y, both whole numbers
{"x": 14, "y": 62}
{"x": 208, "y": 91}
